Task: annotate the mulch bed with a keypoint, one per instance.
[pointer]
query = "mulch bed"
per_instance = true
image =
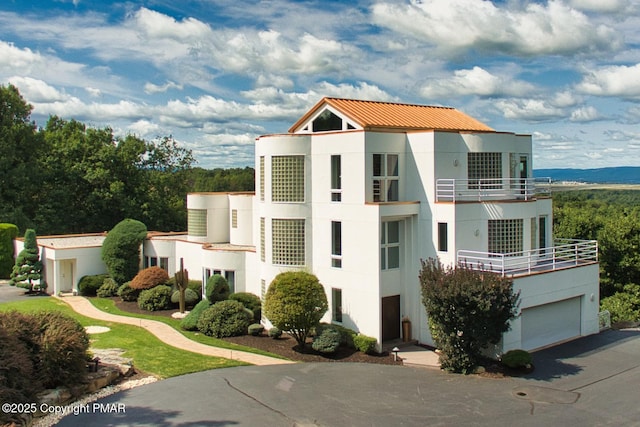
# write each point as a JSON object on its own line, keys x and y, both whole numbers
{"x": 284, "y": 346}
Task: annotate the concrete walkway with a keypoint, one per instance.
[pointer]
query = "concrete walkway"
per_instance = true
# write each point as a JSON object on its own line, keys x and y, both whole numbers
{"x": 168, "y": 335}
{"x": 419, "y": 357}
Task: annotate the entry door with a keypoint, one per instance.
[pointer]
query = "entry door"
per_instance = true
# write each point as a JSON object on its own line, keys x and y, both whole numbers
{"x": 391, "y": 318}
{"x": 66, "y": 275}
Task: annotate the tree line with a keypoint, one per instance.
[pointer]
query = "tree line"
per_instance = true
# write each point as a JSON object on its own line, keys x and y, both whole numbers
{"x": 67, "y": 177}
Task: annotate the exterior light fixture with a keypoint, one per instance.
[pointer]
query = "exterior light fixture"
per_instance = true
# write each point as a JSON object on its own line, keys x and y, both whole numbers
{"x": 395, "y": 351}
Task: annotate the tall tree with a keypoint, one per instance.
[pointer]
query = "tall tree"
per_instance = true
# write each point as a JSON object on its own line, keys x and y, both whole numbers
{"x": 28, "y": 268}
{"x": 20, "y": 147}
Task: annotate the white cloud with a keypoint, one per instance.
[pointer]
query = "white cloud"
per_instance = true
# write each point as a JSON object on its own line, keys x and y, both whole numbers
{"x": 144, "y": 128}
{"x": 37, "y": 91}
{"x": 602, "y": 6}
{"x": 476, "y": 81}
{"x": 618, "y": 80}
{"x": 151, "y": 88}
{"x": 93, "y": 92}
{"x": 530, "y": 110}
{"x": 585, "y": 114}
{"x": 458, "y": 25}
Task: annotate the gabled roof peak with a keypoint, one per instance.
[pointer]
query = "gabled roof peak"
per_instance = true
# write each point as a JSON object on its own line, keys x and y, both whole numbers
{"x": 390, "y": 115}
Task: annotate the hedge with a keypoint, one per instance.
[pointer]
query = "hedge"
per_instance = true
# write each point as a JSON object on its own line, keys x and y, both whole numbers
{"x": 8, "y": 233}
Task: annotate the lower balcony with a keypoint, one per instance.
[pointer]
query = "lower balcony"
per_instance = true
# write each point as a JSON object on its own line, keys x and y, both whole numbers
{"x": 564, "y": 254}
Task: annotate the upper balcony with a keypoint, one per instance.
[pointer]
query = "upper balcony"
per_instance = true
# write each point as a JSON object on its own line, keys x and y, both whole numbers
{"x": 566, "y": 253}
{"x": 491, "y": 189}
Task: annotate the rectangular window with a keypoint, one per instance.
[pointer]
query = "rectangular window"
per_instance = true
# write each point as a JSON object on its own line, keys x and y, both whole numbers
{"x": 153, "y": 261}
{"x": 206, "y": 273}
{"x": 287, "y": 179}
{"x": 542, "y": 232}
{"x": 385, "y": 182}
{"x": 288, "y": 242}
{"x": 262, "y": 255}
{"x": 336, "y": 305}
{"x": 390, "y": 245}
{"x": 234, "y": 218}
{"x": 484, "y": 170}
{"x": 231, "y": 280}
{"x": 197, "y": 222}
{"x": 164, "y": 264}
{"x": 336, "y": 244}
{"x": 262, "y": 178}
{"x": 443, "y": 238}
{"x": 336, "y": 178}
{"x": 505, "y": 236}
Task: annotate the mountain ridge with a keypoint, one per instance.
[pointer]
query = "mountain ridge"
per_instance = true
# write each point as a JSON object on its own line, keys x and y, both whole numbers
{"x": 607, "y": 175}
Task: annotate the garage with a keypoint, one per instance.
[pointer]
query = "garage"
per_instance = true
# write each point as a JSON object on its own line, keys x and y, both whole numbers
{"x": 550, "y": 323}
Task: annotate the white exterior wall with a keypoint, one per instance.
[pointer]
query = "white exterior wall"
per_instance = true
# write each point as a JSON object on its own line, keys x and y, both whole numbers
{"x": 242, "y": 204}
{"x": 218, "y": 217}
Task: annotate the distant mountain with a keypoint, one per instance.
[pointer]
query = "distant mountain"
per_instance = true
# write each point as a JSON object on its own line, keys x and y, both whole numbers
{"x": 612, "y": 175}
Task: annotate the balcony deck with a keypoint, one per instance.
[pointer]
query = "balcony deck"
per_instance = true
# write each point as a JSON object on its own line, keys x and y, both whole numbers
{"x": 564, "y": 254}
{"x": 495, "y": 189}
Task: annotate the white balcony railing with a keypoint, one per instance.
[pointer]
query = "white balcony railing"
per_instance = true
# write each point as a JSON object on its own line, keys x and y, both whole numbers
{"x": 478, "y": 190}
{"x": 565, "y": 254}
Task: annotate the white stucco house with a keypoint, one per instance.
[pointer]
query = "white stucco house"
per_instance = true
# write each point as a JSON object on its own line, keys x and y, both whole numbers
{"x": 358, "y": 192}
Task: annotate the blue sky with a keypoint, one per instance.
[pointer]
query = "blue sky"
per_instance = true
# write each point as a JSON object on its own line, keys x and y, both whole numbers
{"x": 216, "y": 74}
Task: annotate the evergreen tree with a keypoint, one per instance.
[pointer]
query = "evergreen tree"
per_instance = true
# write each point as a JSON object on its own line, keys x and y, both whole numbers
{"x": 28, "y": 267}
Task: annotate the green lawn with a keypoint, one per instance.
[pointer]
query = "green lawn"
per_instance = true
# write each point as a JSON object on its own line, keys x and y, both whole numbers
{"x": 108, "y": 305}
{"x": 148, "y": 353}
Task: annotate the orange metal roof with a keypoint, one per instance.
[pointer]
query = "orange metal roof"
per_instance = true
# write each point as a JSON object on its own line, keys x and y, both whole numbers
{"x": 375, "y": 114}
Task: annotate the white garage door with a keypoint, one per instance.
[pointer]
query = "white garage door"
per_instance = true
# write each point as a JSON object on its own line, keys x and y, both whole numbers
{"x": 550, "y": 323}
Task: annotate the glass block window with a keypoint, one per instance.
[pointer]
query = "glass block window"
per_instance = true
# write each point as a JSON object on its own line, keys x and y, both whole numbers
{"x": 287, "y": 179}
{"x": 197, "y": 222}
{"x": 262, "y": 256}
{"x": 288, "y": 241}
{"x": 262, "y": 178}
{"x": 234, "y": 218}
{"x": 263, "y": 291}
{"x": 484, "y": 166}
{"x": 505, "y": 236}
{"x": 336, "y": 305}
{"x": 385, "y": 178}
{"x": 390, "y": 245}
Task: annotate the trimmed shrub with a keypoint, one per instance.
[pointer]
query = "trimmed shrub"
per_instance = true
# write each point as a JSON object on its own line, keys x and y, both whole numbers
{"x": 127, "y": 293}
{"x": 156, "y": 298}
{"x": 190, "y": 321}
{"x": 28, "y": 266}
{"x": 295, "y": 302}
{"x": 89, "y": 285}
{"x": 224, "y": 319}
{"x": 516, "y": 359}
{"x": 121, "y": 249}
{"x": 275, "y": 333}
{"x": 250, "y": 301}
{"x": 255, "y": 329}
{"x": 217, "y": 289}
{"x": 149, "y": 278}
{"x": 108, "y": 289}
{"x": 364, "y": 343}
{"x": 624, "y": 306}
{"x": 190, "y": 297}
{"x": 346, "y": 336}
{"x": 327, "y": 339}
{"x": 8, "y": 233}
{"x": 196, "y": 286}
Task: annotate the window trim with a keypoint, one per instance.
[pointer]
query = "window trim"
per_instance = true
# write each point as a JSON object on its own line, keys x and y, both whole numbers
{"x": 387, "y": 246}
{"x": 385, "y": 185}
{"x": 336, "y": 309}
{"x": 336, "y": 177}
{"x": 336, "y": 244}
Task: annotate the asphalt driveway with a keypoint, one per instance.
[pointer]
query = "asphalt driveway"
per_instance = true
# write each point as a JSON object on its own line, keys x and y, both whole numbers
{"x": 587, "y": 382}
{"x": 13, "y": 293}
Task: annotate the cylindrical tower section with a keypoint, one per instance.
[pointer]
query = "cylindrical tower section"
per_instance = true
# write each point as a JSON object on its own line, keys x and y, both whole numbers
{"x": 284, "y": 238}
{"x": 208, "y": 217}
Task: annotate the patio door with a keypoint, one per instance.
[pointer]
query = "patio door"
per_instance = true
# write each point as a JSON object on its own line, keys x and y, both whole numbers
{"x": 390, "y": 318}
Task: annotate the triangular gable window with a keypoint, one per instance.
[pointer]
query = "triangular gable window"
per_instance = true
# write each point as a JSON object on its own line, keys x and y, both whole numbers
{"x": 327, "y": 121}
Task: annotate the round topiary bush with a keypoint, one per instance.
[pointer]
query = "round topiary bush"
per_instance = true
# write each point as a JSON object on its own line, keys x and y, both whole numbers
{"x": 364, "y": 343}
{"x": 191, "y": 298}
{"x": 127, "y": 293}
{"x": 517, "y": 359}
{"x": 255, "y": 329}
{"x": 157, "y": 298}
{"x": 224, "y": 319}
{"x": 275, "y": 333}
{"x": 327, "y": 340}
{"x": 149, "y": 278}
{"x": 217, "y": 289}
{"x": 108, "y": 289}
{"x": 89, "y": 285}
{"x": 190, "y": 321}
{"x": 250, "y": 301}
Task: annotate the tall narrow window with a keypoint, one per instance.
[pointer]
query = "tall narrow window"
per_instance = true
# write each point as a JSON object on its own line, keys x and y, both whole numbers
{"x": 262, "y": 255}
{"x": 385, "y": 178}
{"x": 542, "y": 232}
{"x": 263, "y": 291}
{"x": 234, "y": 218}
{"x": 390, "y": 245}
{"x": 443, "y": 239}
{"x": 336, "y": 244}
{"x": 262, "y": 178}
{"x": 231, "y": 280}
{"x": 336, "y": 305}
{"x": 336, "y": 178}
{"x": 505, "y": 236}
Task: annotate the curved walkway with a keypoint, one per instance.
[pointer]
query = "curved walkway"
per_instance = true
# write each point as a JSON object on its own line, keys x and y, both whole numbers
{"x": 168, "y": 335}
